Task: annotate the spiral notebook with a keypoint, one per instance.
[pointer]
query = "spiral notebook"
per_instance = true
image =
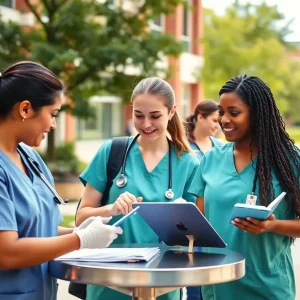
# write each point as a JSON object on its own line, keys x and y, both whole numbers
{"x": 111, "y": 255}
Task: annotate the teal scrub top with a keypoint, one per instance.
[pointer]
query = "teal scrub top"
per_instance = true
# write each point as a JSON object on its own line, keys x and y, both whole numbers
{"x": 215, "y": 142}
{"x": 151, "y": 186}
{"x": 269, "y": 266}
{"x": 28, "y": 207}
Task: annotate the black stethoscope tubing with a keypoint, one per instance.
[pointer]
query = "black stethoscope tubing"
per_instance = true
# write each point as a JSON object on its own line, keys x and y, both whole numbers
{"x": 122, "y": 179}
{"x": 255, "y": 178}
{"x": 39, "y": 172}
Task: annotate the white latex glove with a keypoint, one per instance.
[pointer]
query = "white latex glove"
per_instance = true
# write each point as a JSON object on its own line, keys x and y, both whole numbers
{"x": 180, "y": 200}
{"x": 97, "y": 234}
{"x": 88, "y": 221}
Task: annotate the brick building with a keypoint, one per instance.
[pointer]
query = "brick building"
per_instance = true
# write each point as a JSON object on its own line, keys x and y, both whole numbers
{"x": 185, "y": 24}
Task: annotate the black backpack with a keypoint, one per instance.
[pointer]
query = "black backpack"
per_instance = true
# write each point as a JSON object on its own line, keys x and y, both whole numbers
{"x": 114, "y": 163}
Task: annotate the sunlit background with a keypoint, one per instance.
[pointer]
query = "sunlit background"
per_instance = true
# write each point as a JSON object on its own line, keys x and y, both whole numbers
{"x": 101, "y": 49}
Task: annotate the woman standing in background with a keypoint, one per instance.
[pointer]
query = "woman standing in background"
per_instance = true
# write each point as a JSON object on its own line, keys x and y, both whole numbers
{"x": 202, "y": 126}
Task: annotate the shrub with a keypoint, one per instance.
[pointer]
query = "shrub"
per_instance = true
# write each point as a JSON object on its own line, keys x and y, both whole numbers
{"x": 66, "y": 164}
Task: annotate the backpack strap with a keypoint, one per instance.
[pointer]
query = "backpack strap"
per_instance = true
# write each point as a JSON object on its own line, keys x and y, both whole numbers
{"x": 114, "y": 163}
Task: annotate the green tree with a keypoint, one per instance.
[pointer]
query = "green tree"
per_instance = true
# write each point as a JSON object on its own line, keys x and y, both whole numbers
{"x": 248, "y": 39}
{"x": 291, "y": 83}
{"x": 92, "y": 45}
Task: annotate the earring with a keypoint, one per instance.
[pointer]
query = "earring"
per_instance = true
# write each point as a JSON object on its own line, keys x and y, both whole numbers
{"x": 24, "y": 117}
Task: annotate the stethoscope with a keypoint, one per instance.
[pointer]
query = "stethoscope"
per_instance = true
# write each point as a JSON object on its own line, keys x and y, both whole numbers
{"x": 38, "y": 171}
{"x": 122, "y": 179}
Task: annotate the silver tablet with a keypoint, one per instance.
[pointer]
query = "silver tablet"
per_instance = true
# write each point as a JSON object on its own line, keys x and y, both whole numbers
{"x": 172, "y": 222}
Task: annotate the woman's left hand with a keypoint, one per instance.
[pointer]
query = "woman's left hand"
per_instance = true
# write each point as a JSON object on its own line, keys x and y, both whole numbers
{"x": 255, "y": 226}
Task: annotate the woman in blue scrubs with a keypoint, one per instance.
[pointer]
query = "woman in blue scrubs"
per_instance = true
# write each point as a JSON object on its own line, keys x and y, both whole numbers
{"x": 261, "y": 160}
{"x": 202, "y": 126}
{"x": 161, "y": 138}
{"x": 30, "y": 236}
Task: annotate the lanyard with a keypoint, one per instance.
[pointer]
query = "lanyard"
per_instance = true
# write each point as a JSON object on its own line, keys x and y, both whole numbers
{"x": 251, "y": 198}
{"x": 255, "y": 178}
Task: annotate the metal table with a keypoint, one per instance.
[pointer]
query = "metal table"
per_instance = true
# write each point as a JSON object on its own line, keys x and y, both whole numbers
{"x": 172, "y": 269}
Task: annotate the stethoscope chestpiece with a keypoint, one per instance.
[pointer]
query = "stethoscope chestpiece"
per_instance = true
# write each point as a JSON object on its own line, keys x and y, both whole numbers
{"x": 121, "y": 181}
{"x": 169, "y": 194}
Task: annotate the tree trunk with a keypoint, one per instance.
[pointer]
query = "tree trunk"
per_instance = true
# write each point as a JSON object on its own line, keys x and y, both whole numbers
{"x": 50, "y": 146}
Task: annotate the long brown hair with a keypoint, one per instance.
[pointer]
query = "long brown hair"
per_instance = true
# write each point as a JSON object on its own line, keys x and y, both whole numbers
{"x": 205, "y": 109}
{"x": 159, "y": 87}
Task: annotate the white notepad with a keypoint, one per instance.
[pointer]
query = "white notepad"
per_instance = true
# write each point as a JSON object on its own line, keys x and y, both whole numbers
{"x": 111, "y": 255}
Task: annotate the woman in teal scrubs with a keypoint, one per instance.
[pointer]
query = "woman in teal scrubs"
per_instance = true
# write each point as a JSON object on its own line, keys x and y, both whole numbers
{"x": 202, "y": 126}
{"x": 260, "y": 158}
{"x": 147, "y": 170}
{"x": 30, "y": 97}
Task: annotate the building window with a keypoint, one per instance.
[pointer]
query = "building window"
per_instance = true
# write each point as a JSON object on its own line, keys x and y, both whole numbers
{"x": 185, "y": 101}
{"x": 7, "y": 3}
{"x": 108, "y": 122}
{"x": 186, "y": 34}
{"x": 111, "y": 3}
{"x": 157, "y": 25}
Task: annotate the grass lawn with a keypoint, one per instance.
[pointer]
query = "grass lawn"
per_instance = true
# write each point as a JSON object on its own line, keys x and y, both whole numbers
{"x": 68, "y": 221}
{"x": 294, "y": 133}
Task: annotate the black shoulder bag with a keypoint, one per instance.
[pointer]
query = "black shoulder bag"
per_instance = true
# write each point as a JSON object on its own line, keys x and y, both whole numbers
{"x": 114, "y": 163}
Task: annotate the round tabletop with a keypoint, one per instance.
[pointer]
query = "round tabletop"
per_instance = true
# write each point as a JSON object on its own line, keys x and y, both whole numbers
{"x": 172, "y": 267}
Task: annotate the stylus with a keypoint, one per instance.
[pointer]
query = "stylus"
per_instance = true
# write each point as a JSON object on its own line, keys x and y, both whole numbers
{"x": 119, "y": 222}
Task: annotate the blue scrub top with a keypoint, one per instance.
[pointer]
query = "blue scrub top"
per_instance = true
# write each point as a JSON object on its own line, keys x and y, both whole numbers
{"x": 28, "y": 207}
{"x": 215, "y": 142}
{"x": 151, "y": 186}
{"x": 269, "y": 267}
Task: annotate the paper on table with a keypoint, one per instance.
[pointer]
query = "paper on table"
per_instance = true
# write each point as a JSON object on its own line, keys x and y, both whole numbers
{"x": 111, "y": 254}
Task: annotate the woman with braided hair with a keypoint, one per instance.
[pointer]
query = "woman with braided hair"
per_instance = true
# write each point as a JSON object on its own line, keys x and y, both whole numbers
{"x": 261, "y": 159}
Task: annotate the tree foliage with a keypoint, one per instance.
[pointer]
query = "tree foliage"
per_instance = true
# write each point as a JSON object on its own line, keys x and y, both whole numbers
{"x": 93, "y": 46}
{"x": 249, "y": 39}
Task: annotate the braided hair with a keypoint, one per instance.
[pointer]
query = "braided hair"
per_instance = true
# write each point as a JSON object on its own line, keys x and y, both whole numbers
{"x": 276, "y": 150}
{"x": 204, "y": 108}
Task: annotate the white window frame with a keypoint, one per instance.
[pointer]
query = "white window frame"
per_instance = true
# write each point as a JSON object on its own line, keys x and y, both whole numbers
{"x": 115, "y": 113}
{"x": 185, "y": 102}
{"x": 187, "y": 37}
{"x": 156, "y": 27}
{"x": 13, "y": 4}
